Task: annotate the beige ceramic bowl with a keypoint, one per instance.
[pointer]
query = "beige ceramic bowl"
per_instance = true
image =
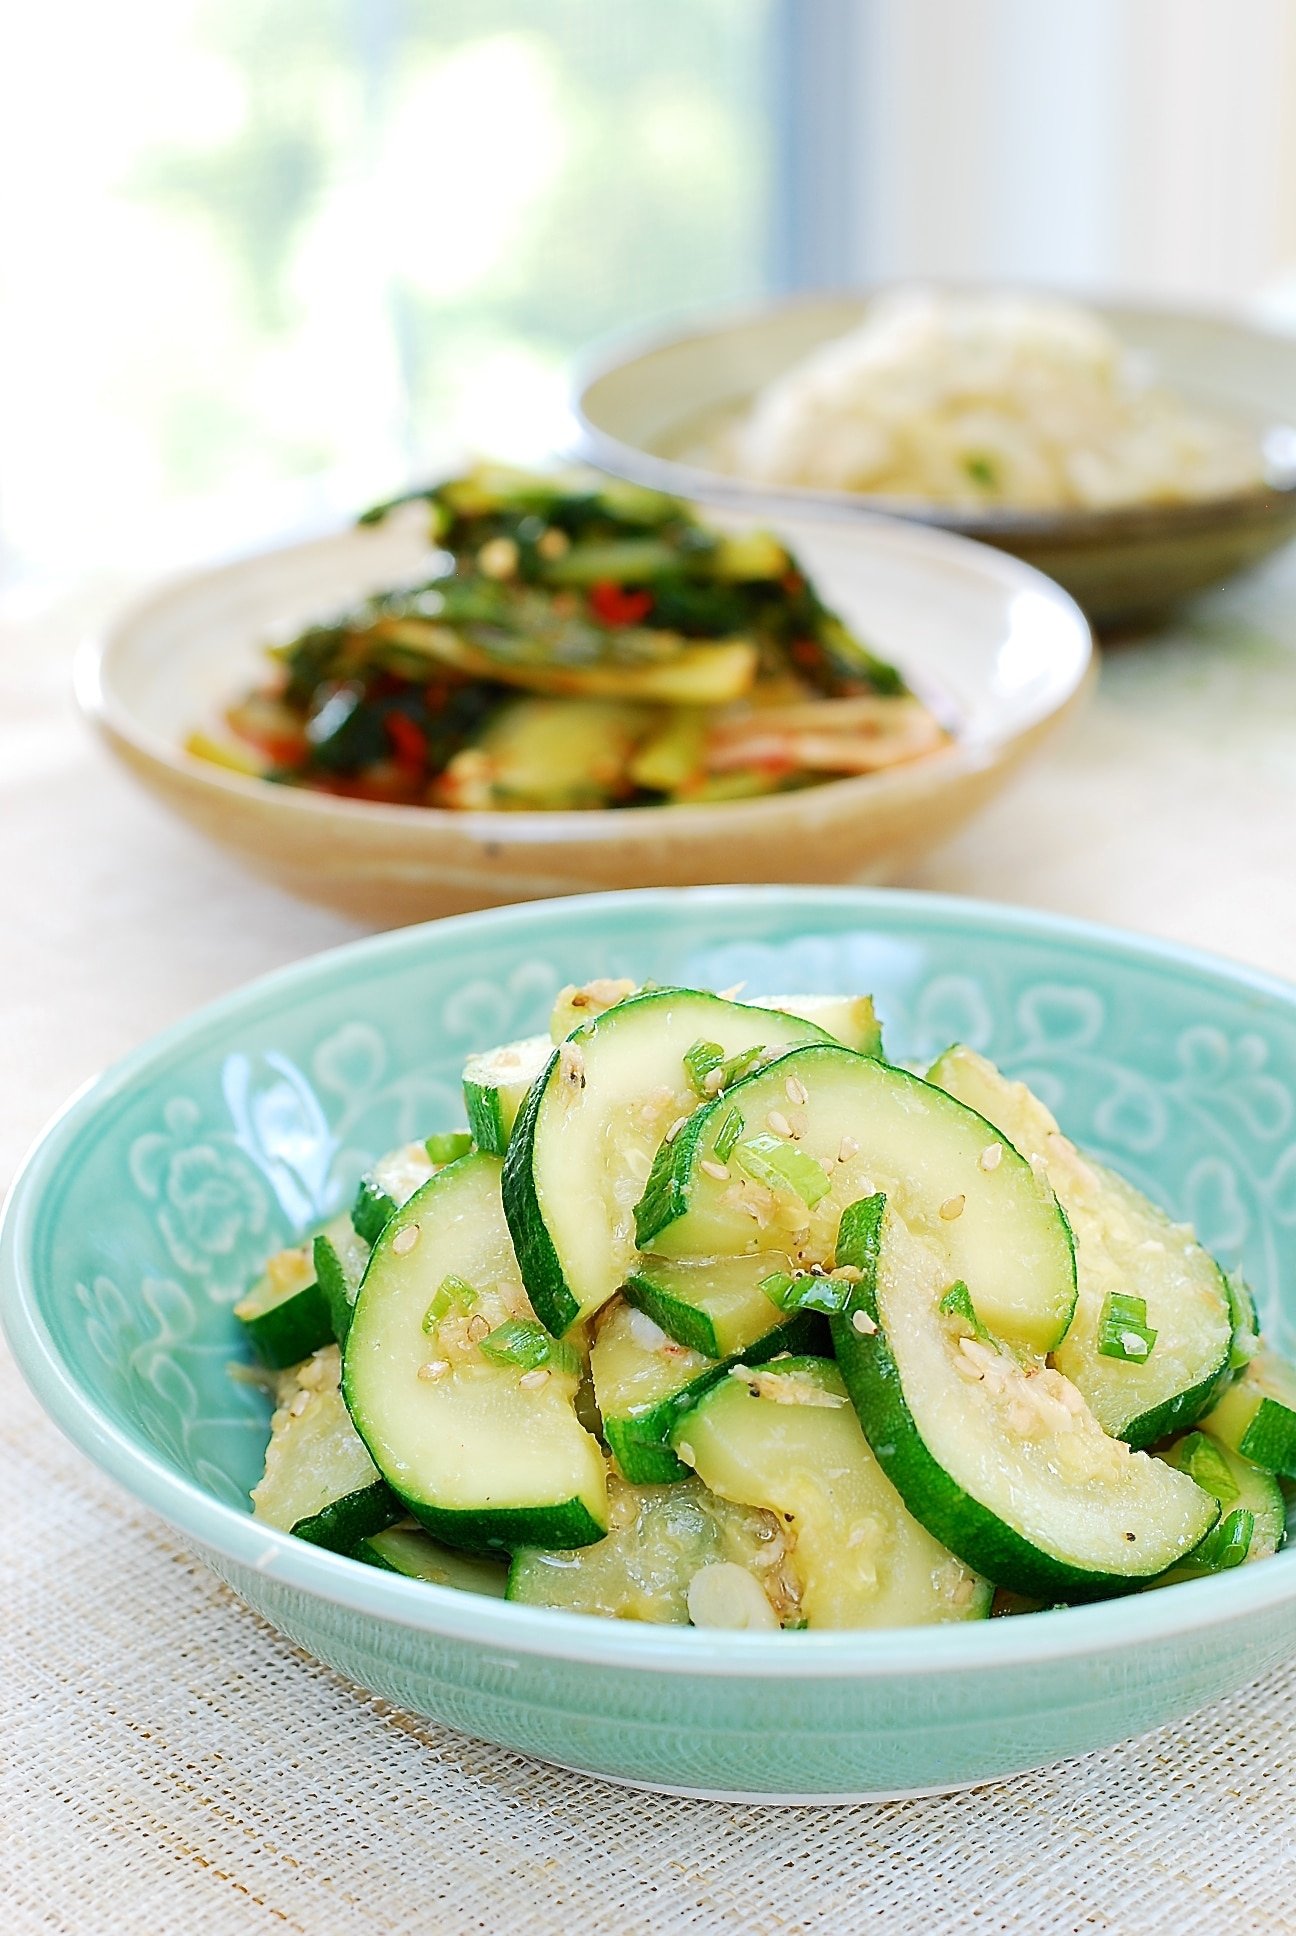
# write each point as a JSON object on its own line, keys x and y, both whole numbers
{"x": 643, "y": 408}
{"x": 994, "y": 644}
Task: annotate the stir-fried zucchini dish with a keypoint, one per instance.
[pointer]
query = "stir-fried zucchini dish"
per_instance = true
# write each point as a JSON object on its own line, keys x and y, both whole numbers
{"x": 577, "y": 643}
{"x": 714, "y": 1316}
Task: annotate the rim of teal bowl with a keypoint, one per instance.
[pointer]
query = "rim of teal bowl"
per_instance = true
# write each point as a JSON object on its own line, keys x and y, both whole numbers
{"x": 1117, "y": 1625}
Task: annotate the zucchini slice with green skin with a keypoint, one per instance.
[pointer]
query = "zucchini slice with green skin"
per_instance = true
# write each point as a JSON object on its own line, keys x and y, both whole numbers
{"x": 714, "y": 1305}
{"x": 495, "y": 1087}
{"x": 1256, "y": 1417}
{"x": 784, "y": 1437}
{"x": 1001, "y": 1460}
{"x": 659, "y": 1540}
{"x": 390, "y": 1183}
{"x": 319, "y": 1481}
{"x": 774, "y": 1163}
{"x": 1125, "y": 1248}
{"x": 286, "y": 1313}
{"x": 465, "y": 1404}
{"x": 1253, "y": 1516}
{"x": 849, "y": 1019}
{"x": 407, "y": 1550}
{"x": 340, "y": 1255}
{"x": 584, "y": 1141}
{"x": 644, "y": 1381}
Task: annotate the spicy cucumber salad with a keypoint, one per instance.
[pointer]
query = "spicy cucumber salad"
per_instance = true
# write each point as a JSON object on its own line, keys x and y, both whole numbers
{"x": 713, "y": 1315}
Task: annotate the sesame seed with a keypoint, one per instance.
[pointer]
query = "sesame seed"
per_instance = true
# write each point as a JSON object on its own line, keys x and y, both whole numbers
{"x": 795, "y": 1090}
{"x": 713, "y": 1081}
{"x": 826, "y": 1165}
{"x": 848, "y": 1148}
{"x": 991, "y": 1157}
{"x": 952, "y": 1208}
{"x": 849, "y": 1273}
{"x": 963, "y": 1591}
{"x": 405, "y": 1239}
{"x": 779, "y": 1123}
{"x": 732, "y": 994}
{"x": 434, "y": 1368}
{"x": 299, "y": 1404}
{"x": 675, "y": 1128}
{"x": 478, "y": 1328}
{"x": 553, "y": 543}
{"x": 532, "y": 1380}
{"x": 863, "y": 1323}
{"x": 717, "y": 1170}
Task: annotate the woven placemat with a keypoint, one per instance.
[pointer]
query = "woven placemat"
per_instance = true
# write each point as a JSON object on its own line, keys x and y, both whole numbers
{"x": 169, "y": 1764}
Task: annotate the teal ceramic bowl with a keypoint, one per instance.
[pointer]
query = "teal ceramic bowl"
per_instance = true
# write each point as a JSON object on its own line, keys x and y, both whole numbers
{"x": 150, "y": 1201}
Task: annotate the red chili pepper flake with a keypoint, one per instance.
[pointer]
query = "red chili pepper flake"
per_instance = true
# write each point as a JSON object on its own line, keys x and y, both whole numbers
{"x": 616, "y": 605}
{"x": 409, "y": 742}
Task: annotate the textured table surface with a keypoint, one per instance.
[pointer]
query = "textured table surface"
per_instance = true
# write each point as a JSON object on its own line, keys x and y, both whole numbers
{"x": 167, "y": 1763}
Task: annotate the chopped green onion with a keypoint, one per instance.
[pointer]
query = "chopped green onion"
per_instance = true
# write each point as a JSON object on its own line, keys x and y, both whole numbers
{"x": 709, "y": 1072}
{"x": 739, "y": 1065}
{"x": 1123, "y": 1329}
{"x": 523, "y": 1342}
{"x": 768, "y": 1159}
{"x": 1227, "y": 1544}
{"x": 957, "y": 1303}
{"x": 518, "y": 1341}
{"x": 449, "y": 1292}
{"x": 1206, "y": 1465}
{"x": 729, "y": 1132}
{"x": 806, "y": 1292}
{"x": 699, "y": 1061}
{"x": 448, "y": 1147}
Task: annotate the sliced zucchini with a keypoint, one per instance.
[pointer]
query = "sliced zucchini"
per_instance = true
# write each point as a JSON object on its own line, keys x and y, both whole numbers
{"x": 340, "y": 1255}
{"x": 1000, "y": 1459}
{"x": 1253, "y": 1519}
{"x": 645, "y": 1380}
{"x": 784, "y": 1437}
{"x": 286, "y": 1313}
{"x": 319, "y": 1481}
{"x": 408, "y": 1550}
{"x": 1149, "y": 1346}
{"x": 849, "y": 1019}
{"x": 391, "y": 1182}
{"x": 660, "y": 1538}
{"x": 597, "y": 1114}
{"x": 716, "y": 1305}
{"x": 495, "y": 1087}
{"x": 774, "y": 1163}
{"x": 1256, "y": 1417}
{"x": 577, "y": 1005}
{"x": 465, "y": 1404}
